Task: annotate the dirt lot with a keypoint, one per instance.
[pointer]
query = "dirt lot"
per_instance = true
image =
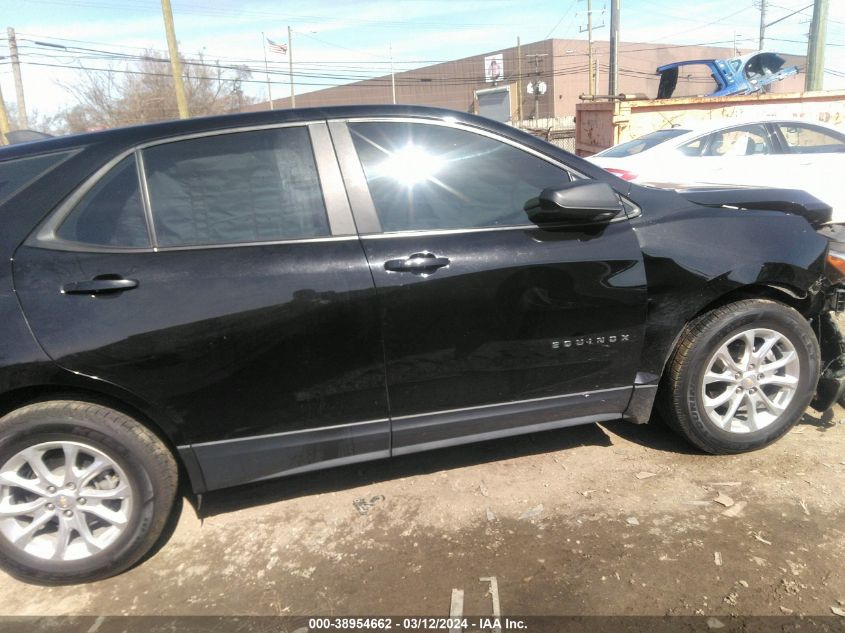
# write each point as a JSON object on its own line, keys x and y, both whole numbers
{"x": 608, "y": 519}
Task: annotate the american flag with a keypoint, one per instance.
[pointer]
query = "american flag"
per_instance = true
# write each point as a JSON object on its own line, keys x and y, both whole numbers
{"x": 277, "y": 47}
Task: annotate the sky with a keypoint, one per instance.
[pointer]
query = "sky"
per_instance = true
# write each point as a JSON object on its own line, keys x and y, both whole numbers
{"x": 335, "y": 41}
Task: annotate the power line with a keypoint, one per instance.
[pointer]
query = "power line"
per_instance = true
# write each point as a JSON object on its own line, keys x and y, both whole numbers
{"x": 567, "y": 12}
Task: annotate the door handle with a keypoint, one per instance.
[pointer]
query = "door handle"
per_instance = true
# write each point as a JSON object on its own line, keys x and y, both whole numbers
{"x": 98, "y": 286}
{"x": 419, "y": 263}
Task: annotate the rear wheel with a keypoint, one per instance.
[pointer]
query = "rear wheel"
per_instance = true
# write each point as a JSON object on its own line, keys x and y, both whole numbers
{"x": 741, "y": 376}
{"x": 85, "y": 491}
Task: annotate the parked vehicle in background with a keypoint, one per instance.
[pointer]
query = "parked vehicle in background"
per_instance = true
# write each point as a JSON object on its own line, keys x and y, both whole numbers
{"x": 768, "y": 153}
{"x": 238, "y": 298}
{"x": 722, "y": 77}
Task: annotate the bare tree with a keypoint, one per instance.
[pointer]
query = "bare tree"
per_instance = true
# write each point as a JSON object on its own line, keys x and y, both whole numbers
{"x": 106, "y": 98}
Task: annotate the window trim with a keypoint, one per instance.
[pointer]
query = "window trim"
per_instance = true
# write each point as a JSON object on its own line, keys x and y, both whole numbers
{"x": 338, "y": 213}
{"x": 46, "y": 235}
{"x": 363, "y": 207}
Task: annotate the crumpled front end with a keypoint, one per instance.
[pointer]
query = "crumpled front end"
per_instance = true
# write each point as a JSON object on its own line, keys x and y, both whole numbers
{"x": 831, "y": 386}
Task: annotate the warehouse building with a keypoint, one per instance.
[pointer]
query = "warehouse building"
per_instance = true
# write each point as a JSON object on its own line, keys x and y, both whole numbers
{"x": 539, "y": 80}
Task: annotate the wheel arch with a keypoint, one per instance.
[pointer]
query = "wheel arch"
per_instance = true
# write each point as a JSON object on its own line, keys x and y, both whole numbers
{"x": 161, "y": 426}
{"x": 642, "y": 401}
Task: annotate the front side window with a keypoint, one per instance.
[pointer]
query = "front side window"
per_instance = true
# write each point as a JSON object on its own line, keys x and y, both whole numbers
{"x": 427, "y": 177}
{"x": 642, "y": 143}
{"x": 809, "y": 139}
{"x": 747, "y": 140}
{"x": 259, "y": 186}
{"x": 111, "y": 213}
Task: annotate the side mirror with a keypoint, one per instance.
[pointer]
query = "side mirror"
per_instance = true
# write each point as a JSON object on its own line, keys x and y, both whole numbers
{"x": 578, "y": 201}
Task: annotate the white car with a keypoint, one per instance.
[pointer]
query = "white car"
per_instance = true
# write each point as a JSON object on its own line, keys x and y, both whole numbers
{"x": 788, "y": 154}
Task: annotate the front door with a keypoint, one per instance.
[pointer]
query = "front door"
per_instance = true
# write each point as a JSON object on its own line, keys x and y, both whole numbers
{"x": 244, "y": 311}
{"x": 490, "y": 322}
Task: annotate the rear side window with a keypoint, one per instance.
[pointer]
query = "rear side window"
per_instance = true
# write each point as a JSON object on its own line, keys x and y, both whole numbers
{"x": 809, "y": 139}
{"x": 17, "y": 173}
{"x": 257, "y": 186}
{"x": 111, "y": 213}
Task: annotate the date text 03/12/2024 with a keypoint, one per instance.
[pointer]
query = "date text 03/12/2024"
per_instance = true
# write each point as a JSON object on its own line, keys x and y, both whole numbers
{"x": 417, "y": 624}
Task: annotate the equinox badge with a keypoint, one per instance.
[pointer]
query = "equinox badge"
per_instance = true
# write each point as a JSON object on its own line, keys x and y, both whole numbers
{"x": 591, "y": 340}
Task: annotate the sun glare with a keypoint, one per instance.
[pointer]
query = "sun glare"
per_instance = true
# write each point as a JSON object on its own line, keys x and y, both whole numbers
{"x": 411, "y": 165}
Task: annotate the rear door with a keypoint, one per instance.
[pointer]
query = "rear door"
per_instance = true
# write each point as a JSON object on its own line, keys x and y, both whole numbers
{"x": 490, "y": 323}
{"x": 219, "y": 278}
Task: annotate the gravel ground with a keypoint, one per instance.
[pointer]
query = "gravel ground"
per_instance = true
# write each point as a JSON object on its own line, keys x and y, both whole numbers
{"x": 609, "y": 519}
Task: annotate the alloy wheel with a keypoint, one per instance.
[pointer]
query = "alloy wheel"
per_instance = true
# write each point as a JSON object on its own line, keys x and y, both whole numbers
{"x": 63, "y": 500}
{"x": 750, "y": 380}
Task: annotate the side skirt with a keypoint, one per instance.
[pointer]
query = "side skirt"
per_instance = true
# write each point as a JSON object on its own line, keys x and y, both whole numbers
{"x": 225, "y": 463}
{"x": 244, "y": 460}
{"x": 461, "y": 426}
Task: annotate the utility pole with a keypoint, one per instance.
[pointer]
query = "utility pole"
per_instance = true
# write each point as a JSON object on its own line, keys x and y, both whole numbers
{"x": 762, "y": 25}
{"x": 518, "y": 80}
{"x": 267, "y": 69}
{"x": 392, "y": 75}
{"x": 815, "y": 47}
{"x": 290, "y": 68}
{"x": 175, "y": 62}
{"x": 4, "y": 120}
{"x": 613, "y": 71}
{"x": 537, "y": 86}
{"x": 592, "y": 78}
{"x": 590, "y": 56}
{"x": 23, "y": 122}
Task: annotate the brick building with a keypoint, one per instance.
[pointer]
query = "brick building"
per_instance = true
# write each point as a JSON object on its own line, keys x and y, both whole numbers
{"x": 560, "y": 64}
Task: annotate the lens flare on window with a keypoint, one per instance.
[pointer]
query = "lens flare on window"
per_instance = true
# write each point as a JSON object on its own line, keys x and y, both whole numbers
{"x": 410, "y": 165}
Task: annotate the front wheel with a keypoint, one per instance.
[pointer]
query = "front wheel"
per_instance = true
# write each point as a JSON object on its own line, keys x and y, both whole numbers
{"x": 741, "y": 376}
{"x": 85, "y": 491}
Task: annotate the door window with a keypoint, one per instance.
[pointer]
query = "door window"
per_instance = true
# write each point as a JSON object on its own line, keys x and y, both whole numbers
{"x": 111, "y": 213}
{"x": 748, "y": 140}
{"x": 257, "y": 186}
{"x": 809, "y": 139}
{"x": 427, "y": 177}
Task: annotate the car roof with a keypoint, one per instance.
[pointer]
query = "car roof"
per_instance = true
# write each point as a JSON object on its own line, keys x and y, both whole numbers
{"x": 699, "y": 128}
{"x": 721, "y": 124}
{"x": 136, "y": 134}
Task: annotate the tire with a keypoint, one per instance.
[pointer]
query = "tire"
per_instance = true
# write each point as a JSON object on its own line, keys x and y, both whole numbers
{"x": 99, "y": 519}
{"x": 765, "y": 405}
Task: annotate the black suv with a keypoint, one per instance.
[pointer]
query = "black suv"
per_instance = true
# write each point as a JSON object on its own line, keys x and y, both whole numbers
{"x": 237, "y": 298}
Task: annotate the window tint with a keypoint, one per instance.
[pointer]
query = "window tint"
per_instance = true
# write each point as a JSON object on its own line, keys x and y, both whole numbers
{"x": 246, "y": 187}
{"x": 425, "y": 176}
{"x": 809, "y": 139}
{"x": 16, "y": 173}
{"x": 111, "y": 213}
{"x": 642, "y": 143}
{"x": 747, "y": 140}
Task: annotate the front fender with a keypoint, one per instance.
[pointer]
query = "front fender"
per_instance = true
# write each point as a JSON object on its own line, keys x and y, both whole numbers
{"x": 695, "y": 255}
